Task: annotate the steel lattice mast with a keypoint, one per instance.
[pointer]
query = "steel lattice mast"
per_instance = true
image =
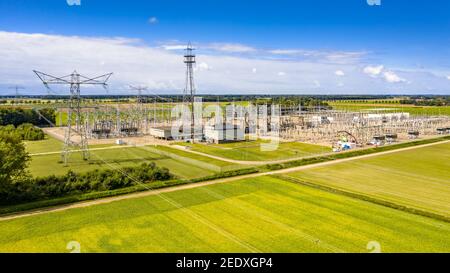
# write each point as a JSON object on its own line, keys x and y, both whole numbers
{"x": 74, "y": 80}
{"x": 189, "y": 91}
{"x": 16, "y": 89}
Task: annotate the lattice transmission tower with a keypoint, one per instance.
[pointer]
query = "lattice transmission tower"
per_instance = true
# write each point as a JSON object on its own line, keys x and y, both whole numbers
{"x": 16, "y": 89}
{"x": 74, "y": 80}
{"x": 189, "y": 90}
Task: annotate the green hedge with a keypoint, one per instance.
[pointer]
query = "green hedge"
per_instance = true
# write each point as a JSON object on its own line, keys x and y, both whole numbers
{"x": 111, "y": 193}
{"x": 26, "y": 131}
{"x": 50, "y": 187}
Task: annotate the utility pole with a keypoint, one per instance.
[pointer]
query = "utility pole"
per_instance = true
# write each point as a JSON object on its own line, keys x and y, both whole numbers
{"x": 189, "y": 91}
{"x": 16, "y": 89}
{"x": 74, "y": 80}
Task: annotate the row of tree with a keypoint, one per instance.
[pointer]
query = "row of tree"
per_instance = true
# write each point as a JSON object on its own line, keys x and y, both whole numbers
{"x": 18, "y": 186}
{"x": 26, "y": 131}
{"x": 30, "y": 189}
{"x": 441, "y": 101}
{"x": 19, "y": 116}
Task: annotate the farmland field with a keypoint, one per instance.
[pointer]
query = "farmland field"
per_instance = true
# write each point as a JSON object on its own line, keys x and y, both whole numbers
{"x": 417, "y": 178}
{"x": 262, "y": 214}
{"x": 47, "y": 159}
{"x": 251, "y": 150}
{"x": 50, "y": 144}
{"x": 43, "y": 165}
{"x": 413, "y": 110}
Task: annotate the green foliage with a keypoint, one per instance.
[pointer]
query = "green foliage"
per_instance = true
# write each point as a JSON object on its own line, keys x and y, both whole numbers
{"x": 25, "y": 131}
{"x": 13, "y": 159}
{"x": 18, "y": 116}
{"x": 42, "y": 188}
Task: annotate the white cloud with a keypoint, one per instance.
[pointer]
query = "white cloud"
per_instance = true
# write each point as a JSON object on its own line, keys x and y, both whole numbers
{"x": 339, "y": 73}
{"x": 73, "y": 2}
{"x": 373, "y": 71}
{"x": 281, "y": 73}
{"x": 203, "y": 66}
{"x": 174, "y": 47}
{"x": 285, "y": 51}
{"x": 338, "y": 57}
{"x": 448, "y": 77}
{"x": 391, "y": 77}
{"x": 230, "y": 48}
{"x": 161, "y": 68}
{"x": 153, "y": 20}
{"x": 380, "y": 71}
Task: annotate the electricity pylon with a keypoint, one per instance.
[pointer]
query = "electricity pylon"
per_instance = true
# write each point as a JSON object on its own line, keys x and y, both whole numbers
{"x": 140, "y": 89}
{"x": 16, "y": 88}
{"x": 74, "y": 80}
{"x": 189, "y": 90}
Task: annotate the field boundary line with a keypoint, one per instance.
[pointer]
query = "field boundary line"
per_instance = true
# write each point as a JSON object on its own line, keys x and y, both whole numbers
{"x": 364, "y": 197}
{"x": 200, "y": 184}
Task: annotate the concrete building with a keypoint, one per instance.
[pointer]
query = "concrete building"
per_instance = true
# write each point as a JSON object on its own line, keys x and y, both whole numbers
{"x": 162, "y": 132}
{"x": 227, "y": 133}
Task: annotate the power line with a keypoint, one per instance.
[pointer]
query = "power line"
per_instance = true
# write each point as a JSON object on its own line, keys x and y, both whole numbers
{"x": 74, "y": 80}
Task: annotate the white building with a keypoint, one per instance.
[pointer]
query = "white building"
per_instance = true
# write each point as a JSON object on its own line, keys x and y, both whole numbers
{"x": 225, "y": 133}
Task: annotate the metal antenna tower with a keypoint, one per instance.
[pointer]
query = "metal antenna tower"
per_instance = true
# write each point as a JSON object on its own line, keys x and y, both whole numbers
{"x": 74, "y": 80}
{"x": 16, "y": 88}
{"x": 189, "y": 90}
{"x": 139, "y": 89}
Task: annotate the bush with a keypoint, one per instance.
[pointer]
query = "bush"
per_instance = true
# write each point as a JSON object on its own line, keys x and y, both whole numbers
{"x": 26, "y": 131}
{"x": 44, "y": 188}
{"x": 17, "y": 117}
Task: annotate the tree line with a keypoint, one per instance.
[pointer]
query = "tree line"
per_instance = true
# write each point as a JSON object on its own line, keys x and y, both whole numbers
{"x": 19, "y": 116}
{"x": 26, "y": 131}
{"x": 17, "y": 186}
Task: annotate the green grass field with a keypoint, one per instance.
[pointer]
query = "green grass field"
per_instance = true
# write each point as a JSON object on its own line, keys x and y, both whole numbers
{"x": 44, "y": 165}
{"x": 413, "y": 110}
{"x": 251, "y": 150}
{"x": 50, "y": 144}
{"x": 183, "y": 164}
{"x": 418, "y": 178}
{"x": 262, "y": 215}
{"x": 223, "y": 165}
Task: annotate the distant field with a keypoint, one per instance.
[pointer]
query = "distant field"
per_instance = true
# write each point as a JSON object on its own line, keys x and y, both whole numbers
{"x": 251, "y": 150}
{"x": 50, "y": 144}
{"x": 223, "y": 165}
{"x": 417, "y": 178}
{"x": 183, "y": 164}
{"x": 258, "y": 215}
{"x": 44, "y": 165}
{"x": 413, "y": 110}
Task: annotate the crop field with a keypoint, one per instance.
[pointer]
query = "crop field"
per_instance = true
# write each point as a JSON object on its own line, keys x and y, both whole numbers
{"x": 418, "y": 178}
{"x": 262, "y": 214}
{"x": 251, "y": 150}
{"x": 413, "y": 110}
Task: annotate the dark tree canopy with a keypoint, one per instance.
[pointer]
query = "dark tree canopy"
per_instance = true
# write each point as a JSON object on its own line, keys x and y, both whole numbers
{"x": 13, "y": 158}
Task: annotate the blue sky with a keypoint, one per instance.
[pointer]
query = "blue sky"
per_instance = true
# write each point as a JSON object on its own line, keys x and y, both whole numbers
{"x": 320, "y": 46}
